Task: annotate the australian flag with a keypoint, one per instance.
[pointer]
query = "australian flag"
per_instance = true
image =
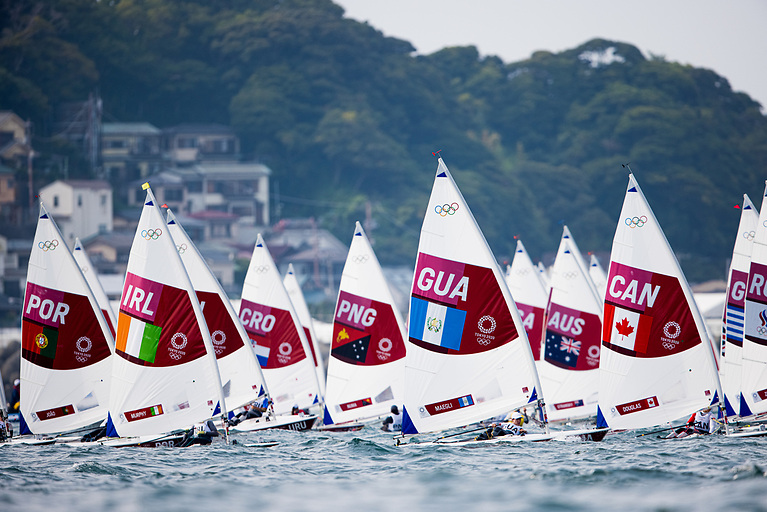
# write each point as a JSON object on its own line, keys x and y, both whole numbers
{"x": 561, "y": 350}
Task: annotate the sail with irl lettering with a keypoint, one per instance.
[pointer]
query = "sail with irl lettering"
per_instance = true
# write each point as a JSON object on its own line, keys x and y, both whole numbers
{"x": 89, "y": 271}
{"x": 530, "y": 294}
{"x": 66, "y": 345}
{"x": 656, "y": 364}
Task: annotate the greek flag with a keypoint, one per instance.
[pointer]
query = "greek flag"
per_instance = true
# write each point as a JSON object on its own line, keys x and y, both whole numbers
{"x": 735, "y": 322}
{"x": 436, "y": 324}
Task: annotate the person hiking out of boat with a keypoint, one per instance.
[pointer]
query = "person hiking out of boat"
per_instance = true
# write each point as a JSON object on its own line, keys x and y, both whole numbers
{"x": 701, "y": 423}
{"x": 513, "y": 428}
{"x": 393, "y": 423}
{"x": 248, "y": 412}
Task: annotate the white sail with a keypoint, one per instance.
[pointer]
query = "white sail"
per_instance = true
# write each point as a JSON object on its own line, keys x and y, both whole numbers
{"x": 89, "y": 271}
{"x": 734, "y": 309}
{"x": 367, "y": 355}
{"x": 598, "y": 276}
{"x": 241, "y": 378}
{"x": 754, "y": 353}
{"x": 304, "y": 316}
{"x": 468, "y": 357}
{"x": 657, "y": 364}
{"x": 277, "y": 335}
{"x": 66, "y": 345}
{"x": 569, "y": 368}
{"x": 544, "y": 275}
{"x": 530, "y": 295}
{"x": 164, "y": 375}
{"x": 579, "y": 256}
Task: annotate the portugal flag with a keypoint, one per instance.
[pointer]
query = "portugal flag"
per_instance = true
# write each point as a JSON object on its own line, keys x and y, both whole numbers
{"x": 39, "y": 343}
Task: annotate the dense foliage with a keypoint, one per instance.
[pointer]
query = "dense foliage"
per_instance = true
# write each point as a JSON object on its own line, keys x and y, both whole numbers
{"x": 348, "y": 118}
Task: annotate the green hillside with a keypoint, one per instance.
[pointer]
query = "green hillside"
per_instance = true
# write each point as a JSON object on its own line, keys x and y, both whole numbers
{"x": 347, "y": 117}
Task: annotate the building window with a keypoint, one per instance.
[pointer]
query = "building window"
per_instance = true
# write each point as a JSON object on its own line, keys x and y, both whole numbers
{"x": 103, "y": 199}
{"x": 187, "y": 142}
{"x": 115, "y": 144}
{"x": 55, "y": 201}
{"x": 79, "y": 200}
{"x": 173, "y": 194}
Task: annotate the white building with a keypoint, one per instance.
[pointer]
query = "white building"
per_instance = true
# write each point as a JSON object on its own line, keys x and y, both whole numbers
{"x": 81, "y": 208}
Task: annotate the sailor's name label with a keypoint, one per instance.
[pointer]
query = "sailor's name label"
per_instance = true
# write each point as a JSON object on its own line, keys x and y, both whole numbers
{"x": 146, "y": 412}
{"x": 449, "y": 405}
{"x": 639, "y": 405}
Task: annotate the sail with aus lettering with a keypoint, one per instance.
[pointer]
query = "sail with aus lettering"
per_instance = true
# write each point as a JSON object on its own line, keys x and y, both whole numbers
{"x": 304, "y": 316}
{"x": 656, "y": 364}
{"x": 468, "y": 358}
{"x": 277, "y": 335}
{"x": 89, "y": 271}
{"x": 530, "y": 295}
{"x": 367, "y": 351}
{"x": 165, "y": 375}
{"x": 734, "y": 308}
{"x": 569, "y": 369}
{"x": 754, "y": 353}
{"x": 66, "y": 344}
{"x": 241, "y": 378}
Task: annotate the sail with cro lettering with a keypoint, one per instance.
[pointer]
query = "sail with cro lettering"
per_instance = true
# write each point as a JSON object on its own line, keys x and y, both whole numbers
{"x": 530, "y": 295}
{"x": 569, "y": 369}
{"x": 656, "y": 363}
{"x": 89, "y": 271}
{"x": 241, "y": 378}
{"x": 734, "y": 308}
{"x": 66, "y": 345}
{"x": 367, "y": 351}
{"x": 468, "y": 358}
{"x": 304, "y": 316}
{"x": 276, "y": 334}
{"x": 165, "y": 375}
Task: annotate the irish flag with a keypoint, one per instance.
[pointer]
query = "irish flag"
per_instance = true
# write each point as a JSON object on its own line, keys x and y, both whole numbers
{"x": 137, "y": 339}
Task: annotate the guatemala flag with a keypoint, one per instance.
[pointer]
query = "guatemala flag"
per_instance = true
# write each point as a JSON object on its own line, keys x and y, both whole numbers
{"x": 436, "y": 324}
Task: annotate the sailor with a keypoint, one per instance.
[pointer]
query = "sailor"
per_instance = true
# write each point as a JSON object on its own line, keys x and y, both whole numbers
{"x": 393, "y": 423}
{"x": 515, "y": 426}
{"x": 701, "y": 423}
{"x": 249, "y": 412}
{"x": 13, "y": 406}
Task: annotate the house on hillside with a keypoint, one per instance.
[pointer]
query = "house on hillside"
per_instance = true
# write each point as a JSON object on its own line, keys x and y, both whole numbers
{"x": 188, "y": 144}
{"x": 14, "y": 148}
{"x": 130, "y": 151}
{"x": 81, "y": 208}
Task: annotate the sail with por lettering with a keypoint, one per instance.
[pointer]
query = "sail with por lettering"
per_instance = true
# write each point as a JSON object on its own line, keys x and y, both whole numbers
{"x": 241, "y": 378}
{"x": 468, "y": 358}
{"x": 530, "y": 295}
{"x": 569, "y": 367}
{"x": 89, "y": 271}
{"x": 276, "y": 335}
{"x": 164, "y": 375}
{"x": 367, "y": 351}
{"x": 66, "y": 344}
{"x": 656, "y": 364}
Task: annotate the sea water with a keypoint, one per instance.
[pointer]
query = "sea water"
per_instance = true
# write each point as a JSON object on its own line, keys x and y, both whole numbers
{"x": 365, "y": 471}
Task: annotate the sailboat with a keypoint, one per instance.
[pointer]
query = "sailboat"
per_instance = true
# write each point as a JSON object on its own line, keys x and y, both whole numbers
{"x": 89, "y": 271}
{"x": 657, "y": 364}
{"x": 241, "y": 377}
{"x": 530, "y": 295}
{"x": 367, "y": 354}
{"x": 734, "y": 311}
{"x": 164, "y": 378}
{"x": 598, "y": 275}
{"x": 569, "y": 370}
{"x": 279, "y": 342}
{"x": 66, "y": 344}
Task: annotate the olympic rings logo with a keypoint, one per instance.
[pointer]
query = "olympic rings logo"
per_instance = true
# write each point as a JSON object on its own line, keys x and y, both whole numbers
{"x": 182, "y": 344}
{"x": 84, "y": 269}
{"x": 636, "y": 222}
{"x": 361, "y": 258}
{"x": 485, "y": 319}
{"x": 761, "y": 330}
{"x": 522, "y": 272}
{"x": 668, "y": 346}
{"x": 84, "y": 344}
{"x": 672, "y": 330}
{"x": 570, "y": 275}
{"x": 48, "y": 245}
{"x": 262, "y": 269}
{"x": 446, "y": 209}
{"x": 749, "y": 235}
{"x": 151, "y": 234}
{"x": 181, "y": 248}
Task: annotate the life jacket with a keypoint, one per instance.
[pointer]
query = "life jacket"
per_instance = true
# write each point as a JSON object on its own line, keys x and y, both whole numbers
{"x": 397, "y": 424}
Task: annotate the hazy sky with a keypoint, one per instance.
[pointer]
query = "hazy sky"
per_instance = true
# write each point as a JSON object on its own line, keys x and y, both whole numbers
{"x": 728, "y": 36}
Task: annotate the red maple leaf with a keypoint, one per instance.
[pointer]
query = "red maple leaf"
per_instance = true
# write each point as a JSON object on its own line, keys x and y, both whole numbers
{"x": 623, "y": 327}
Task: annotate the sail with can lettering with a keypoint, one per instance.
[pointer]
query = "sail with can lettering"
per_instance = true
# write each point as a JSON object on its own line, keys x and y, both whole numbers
{"x": 754, "y": 353}
{"x": 89, "y": 271}
{"x": 367, "y": 351}
{"x": 276, "y": 335}
{"x": 66, "y": 344}
{"x": 569, "y": 366}
{"x": 598, "y": 276}
{"x": 304, "y": 316}
{"x": 656, "y": 364}
{"x": 734, "y": 308}
{"x": 165, "y": 375}
{"x": 241, "y": 378}
{"x": 530, "y": 295}
{"x": 468, "y": 358}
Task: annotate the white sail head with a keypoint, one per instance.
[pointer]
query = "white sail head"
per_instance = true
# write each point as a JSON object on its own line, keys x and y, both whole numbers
{"x": 569, "y": 369}
{"x": 367, "y": 356}
{"x": 468, "y": 357}
{"x": 293, "y": 287}
{"x": 598, "y": 275}
{"x": 656, "y": 363}
{"x": 241, "y": 377}
{"x": 89, "y": 271}
{"x": 530, "y": 295}
{"x": 734, "y": 307}
{"x": 277, "y": 335}
{"x": 165, "y": 375}
{"x": 66, "y": 345}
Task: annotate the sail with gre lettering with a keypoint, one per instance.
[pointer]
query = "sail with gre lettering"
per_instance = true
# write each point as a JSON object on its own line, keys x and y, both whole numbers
{"x": 656, "y": 364}
{"x": 165, "y": 375}
{"x": 468, "y": 358}
{"x": 367, "y": 351}
{"x": 89, "y": 271}
{"x": 276, "y": 335}
{"x": 241, "y": 378}
{"x": 66, "y": 344}
{"x": 530, "y": 295}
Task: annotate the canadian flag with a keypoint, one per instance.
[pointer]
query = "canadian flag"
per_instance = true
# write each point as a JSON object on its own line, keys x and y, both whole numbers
{"x": 627, "y": 329}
